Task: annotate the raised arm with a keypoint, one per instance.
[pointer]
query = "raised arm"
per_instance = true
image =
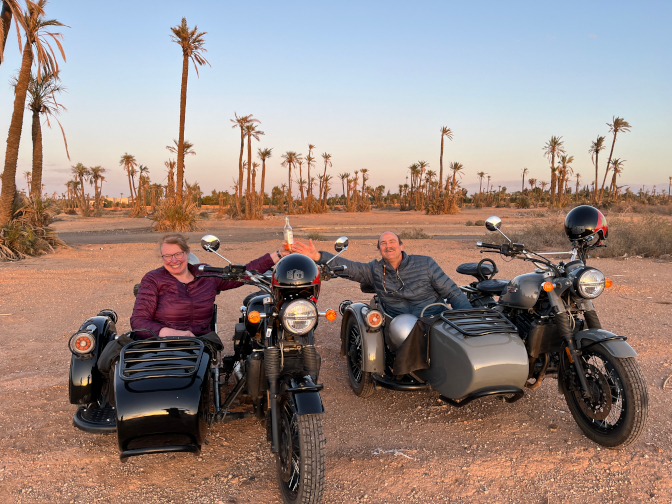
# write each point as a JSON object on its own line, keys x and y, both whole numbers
{"x": 446, "y": 287}
{"x": 357, "y": 271}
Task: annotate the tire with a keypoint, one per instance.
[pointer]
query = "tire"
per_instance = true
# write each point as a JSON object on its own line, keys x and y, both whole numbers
{"x": 360, "y": 381}
{"x": 302, "y": 446}
{"x": 618, "y": 417}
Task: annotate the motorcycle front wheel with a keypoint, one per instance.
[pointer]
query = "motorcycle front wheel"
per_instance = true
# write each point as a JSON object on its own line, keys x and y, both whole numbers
{"x": 360, "y": 380}
{"x": 301, "y": 461}
{"x": 616, "y": 413}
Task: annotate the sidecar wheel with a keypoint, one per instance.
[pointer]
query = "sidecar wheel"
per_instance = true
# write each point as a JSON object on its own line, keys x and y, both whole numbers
{"x": 360, "y": 380}
{"x": 301, "y": 461}
{"x": 616, "y": 415}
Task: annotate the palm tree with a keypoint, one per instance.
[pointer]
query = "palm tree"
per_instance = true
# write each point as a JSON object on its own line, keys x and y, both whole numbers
{"x": 289, "y": 159}
{"x": 251, "y": 132}
{"x": 82, "y": 173}
{"x": 422, "y": 166}
{"x": 445, "y": 132}
{"x": 578, "y": 179}
{"x": 553, "y": 147}
{"x": 240, "y": 122}
{"x": 129, "y": 164}
{"x": 565, "y": 170}
{"x": 192, "y": 43}
{"x": 36, "y": 47}
{"x": 533, "y": 185}
{"x": 455, "y": 167}
{"x": 617, "y": 125}
{"x": 617, "y": 167}
{"x": 481, "y": 175}
{"x": 28, "y": 176}
{"x": 42, "y": 100}
{"x": 310, "y": 161}
{"x": 143, "y": 183}
{"x": 327, "y": 163}
{"x": 595, "y": 148}
{"x": 170, "y": 185}
{"x": 10, "y": 8}
{"x": 263, "y": 155}
{"x": 96, "y": 175}
{"x": 343, "y": 177}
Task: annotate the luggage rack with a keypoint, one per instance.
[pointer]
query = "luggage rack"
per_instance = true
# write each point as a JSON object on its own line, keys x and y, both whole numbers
{"x": 165, "y": 358}
{"x": 478, "y": 322}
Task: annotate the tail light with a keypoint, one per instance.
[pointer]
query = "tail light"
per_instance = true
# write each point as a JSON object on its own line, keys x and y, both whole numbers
{"x": 374, "y": 319}
{"x": 82, "y": 343}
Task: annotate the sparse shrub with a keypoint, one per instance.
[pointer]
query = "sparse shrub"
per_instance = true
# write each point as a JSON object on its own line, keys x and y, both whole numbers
{"x": 469, "y": 223}
{"x": 28, "y": 233}
{"x": 315, "y": 235}
{"x": 170, "y": 216}
{"x": 204, "y": 215}
{"x": 540, "y": 214}
{"x": 71, "y": 211}
{"x": 523, "y": 202}
{"x": 414, "y": 234}
{"x": 479, "y": 223}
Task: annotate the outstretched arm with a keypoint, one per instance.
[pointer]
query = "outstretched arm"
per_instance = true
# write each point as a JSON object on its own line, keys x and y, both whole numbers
{"x": 357, "y": 271}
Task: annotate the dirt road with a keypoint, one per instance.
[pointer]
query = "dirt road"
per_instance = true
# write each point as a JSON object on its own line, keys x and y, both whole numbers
{"x": 392, "y": 447}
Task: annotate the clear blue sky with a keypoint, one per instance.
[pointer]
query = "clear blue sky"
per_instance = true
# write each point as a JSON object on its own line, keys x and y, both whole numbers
{"x": 369, "y": 82}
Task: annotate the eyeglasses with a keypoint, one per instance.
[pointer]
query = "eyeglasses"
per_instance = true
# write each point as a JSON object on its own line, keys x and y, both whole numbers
{"x": 398, "y": 278}
{"x": 177, "y": 256}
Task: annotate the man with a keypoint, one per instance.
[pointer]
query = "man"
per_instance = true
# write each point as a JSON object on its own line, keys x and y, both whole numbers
{"x": 404, "y": 283}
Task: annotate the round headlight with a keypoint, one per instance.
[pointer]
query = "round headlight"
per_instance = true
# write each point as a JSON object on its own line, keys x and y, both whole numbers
{"x": 590, "y": 283}
{"x": 299, "y": 317}
{"x": 82, "y": 343}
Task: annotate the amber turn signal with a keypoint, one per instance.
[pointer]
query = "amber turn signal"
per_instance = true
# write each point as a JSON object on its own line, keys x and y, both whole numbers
{"x": 608, "y": 282}
{"x": 331, "y": 315}
{"x": 548, "y": 286}
{"x": 254, "y": 317}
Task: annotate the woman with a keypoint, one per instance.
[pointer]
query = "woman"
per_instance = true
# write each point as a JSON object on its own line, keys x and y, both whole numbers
{"x": 171, "y": 301}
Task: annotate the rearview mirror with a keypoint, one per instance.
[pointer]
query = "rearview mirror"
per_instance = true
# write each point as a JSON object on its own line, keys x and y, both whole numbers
{"x": 210, "y": 243}
{"x": 493, "y": 223}
{"x": 341, "y": 244}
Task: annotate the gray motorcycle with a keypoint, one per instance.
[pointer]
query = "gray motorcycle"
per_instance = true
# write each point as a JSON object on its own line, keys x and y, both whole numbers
{"x": 520, "y": 331}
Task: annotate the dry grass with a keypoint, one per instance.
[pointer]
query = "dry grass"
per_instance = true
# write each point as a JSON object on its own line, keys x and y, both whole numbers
{"x": 28, "y": 233}
{"x": 414, "y": 234}
{"x": 171, "y": 216}
{"x": 649, "y": 236}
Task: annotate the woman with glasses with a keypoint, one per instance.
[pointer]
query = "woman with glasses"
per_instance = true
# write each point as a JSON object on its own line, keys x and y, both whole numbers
{"x": 403, "y": 283}
{"x": 171, "y": 301}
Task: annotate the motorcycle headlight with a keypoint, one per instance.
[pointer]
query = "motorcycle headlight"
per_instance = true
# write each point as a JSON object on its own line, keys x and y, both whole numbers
{"x": 589, "y": 283}
{"x": 299, "y": 317}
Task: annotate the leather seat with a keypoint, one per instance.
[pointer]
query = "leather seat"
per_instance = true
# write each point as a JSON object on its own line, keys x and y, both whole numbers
{"x": 493, "y": 286}
{"x": 472, "y": 269}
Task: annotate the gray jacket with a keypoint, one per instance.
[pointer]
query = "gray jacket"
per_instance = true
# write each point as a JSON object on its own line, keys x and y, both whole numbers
{"x": 424, "y": 282}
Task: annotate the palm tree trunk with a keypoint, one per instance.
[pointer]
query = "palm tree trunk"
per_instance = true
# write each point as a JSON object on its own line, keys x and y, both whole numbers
{"x": 183, "y": 113}
{"x": 36, "y": 184}
{"x": 261, "y": 195}
{"x": 441, "y": 166}
{"x": 595, "y": 188}
{"x": 14, "y": 137}
{"x": 613, "y": 142}
{"x": 130, "y": 187}
{"x": 289, "y": 190}
{"x": 5, "y": 25}
{"x": 604, "y": 180}
{"x": 248, "y": 197}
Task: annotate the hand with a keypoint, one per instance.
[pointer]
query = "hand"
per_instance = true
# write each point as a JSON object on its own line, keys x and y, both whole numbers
{"x": 307, "y": 250}
{"x": 167, "y": 331}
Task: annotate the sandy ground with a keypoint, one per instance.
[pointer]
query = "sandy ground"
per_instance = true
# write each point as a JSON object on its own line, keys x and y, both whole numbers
{"x": 391, "y": 447}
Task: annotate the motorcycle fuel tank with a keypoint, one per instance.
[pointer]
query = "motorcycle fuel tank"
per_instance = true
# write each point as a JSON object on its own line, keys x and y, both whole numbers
{"x": 461, "y": 365}
{"x": 523, "y": 291}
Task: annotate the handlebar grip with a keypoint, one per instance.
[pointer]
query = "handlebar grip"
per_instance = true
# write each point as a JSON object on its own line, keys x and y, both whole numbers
{"x": 212, "y": 269}
{"x": 336, "y": 269}
{"x": 488, "y": 245}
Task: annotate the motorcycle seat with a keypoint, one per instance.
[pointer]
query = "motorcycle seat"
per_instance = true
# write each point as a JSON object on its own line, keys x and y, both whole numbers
{"x": 472, "y": 269}
{"x": 493, "y": 286}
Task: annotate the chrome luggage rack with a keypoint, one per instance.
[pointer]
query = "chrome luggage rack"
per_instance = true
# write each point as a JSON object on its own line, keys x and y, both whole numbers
{"x": 164, "y": 358}
{"x": 478, "y": 322}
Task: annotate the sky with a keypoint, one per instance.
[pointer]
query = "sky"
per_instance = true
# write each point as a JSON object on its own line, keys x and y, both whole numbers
{"x": 369, "y": 82}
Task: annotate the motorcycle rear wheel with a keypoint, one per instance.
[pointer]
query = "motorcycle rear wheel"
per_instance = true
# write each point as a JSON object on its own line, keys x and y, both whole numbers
{"x": 301, "y": 461}
{"x": 360, "y": 380}
{"x": 616, "y": 417}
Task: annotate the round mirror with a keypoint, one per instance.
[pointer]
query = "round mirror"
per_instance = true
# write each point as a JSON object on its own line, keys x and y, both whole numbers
{"x": 210, "y": 243}
{"x": 341, "y": 243}
{"x": 493, "y": 223}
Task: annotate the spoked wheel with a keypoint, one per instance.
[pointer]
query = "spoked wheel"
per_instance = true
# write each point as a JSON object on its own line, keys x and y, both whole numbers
{"x": 615, "y": 414}
{"x": 360, "y": 380}
{"x": 301, "y": 460}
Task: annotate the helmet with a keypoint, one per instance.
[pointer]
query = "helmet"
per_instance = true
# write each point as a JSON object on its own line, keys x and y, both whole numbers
{"x": 585, "y": 221}
{"x": 297, "y": 271}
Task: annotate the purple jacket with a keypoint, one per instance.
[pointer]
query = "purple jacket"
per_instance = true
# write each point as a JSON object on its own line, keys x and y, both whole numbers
{"x": 164, "y": 301}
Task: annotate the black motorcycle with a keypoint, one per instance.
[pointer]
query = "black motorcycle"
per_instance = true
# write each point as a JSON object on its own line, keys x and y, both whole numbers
{"x": 168, "y": 391}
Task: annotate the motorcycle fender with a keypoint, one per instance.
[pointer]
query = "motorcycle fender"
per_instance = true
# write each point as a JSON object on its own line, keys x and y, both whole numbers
{"x": 373, "y": 342}
{"x": 308, "y": 402}
{"x": 617, "y": 348}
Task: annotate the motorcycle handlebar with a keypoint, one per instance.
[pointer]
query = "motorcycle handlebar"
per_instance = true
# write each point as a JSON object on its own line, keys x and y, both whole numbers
{"x": 213, "y": 269}
{"x": 488, "y": 245}
{"x": 337, "y": 269}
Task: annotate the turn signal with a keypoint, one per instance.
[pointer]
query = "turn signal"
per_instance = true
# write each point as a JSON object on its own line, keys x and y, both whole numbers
{"x": 82, "y": 343}
{"x": 331, "y": 315}
{"x": 254, "y": 317}
{"x": 608, "y": 282}
{"x": 548, "y": 286}
{"x": 374, "y": 319}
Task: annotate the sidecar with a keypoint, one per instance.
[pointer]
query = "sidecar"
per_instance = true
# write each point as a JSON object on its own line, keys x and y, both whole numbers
{"x": 462, "y": 354}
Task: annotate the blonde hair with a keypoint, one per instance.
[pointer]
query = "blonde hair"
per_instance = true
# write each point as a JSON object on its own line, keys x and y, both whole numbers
{"x": 175, "y": 239}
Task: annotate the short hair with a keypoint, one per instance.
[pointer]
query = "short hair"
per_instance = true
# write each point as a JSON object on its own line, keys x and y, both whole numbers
{"x": 175, "y": 239}
{"x": 391, "y": 232}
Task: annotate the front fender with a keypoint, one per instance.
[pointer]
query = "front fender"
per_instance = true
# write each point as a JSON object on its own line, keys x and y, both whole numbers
{"x": 306, "y": 396}
{"x": 373, "y": 342}
{"x": 617, "y": 348}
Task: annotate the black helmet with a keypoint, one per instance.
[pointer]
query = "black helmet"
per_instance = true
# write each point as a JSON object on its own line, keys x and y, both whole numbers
{"x": 585, "y": 221}
{"x": 297, "y": 271}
